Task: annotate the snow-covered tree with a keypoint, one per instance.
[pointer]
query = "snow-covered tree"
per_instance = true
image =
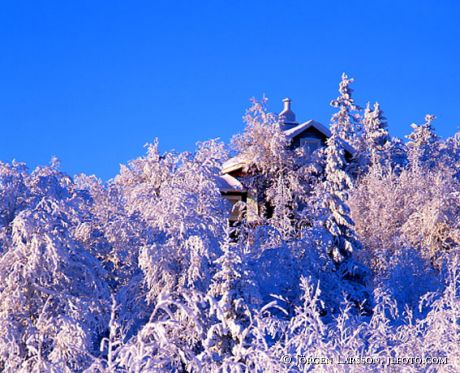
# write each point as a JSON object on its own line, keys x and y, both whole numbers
{"x": 449, "y": 155}
{"x": 423, "y": 143}
{"x": 188, "y": 216}
{"x": 274, "y": 172}
{"x": 375, "y": 134}
{"x": 307, "y": 333}
{"x": 336, "y": 187}
{"x": 14, "y": 193}
{"x": 168, "y": 339}
{"x": 441, "y": 329}
{"x": 108, "y": 230}
{"x": 413, "y": 207}
{"x": 346, "y": 119}
{"x": 263, "y": 144}
{"x": 229, "y": 306}
{"x": 52, "y": 294}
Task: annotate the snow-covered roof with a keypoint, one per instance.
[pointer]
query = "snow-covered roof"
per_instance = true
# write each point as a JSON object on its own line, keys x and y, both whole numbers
{"x": 239, "y": 162}
{"x": 297, "y": 130}
{"x": 234, "y": 163}
{"x": 228, "y": 183}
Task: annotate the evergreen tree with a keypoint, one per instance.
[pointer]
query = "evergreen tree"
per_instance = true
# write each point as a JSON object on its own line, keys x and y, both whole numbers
{"x": 230, "y": 310}
{"x": 337, "y": 184}
{"x": 423, "y": 144}
{"x": 347, "y": 117}
{"x": 450, "y": 155}
{"x": 375, "y": 134}
{"x": 343, "y": 241}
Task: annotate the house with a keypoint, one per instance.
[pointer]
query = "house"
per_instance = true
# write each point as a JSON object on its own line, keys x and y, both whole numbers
{"x": 311, "y": 135}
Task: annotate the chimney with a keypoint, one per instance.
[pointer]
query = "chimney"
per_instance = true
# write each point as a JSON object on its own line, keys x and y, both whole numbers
{"x": 287, "y": 116}
{"x": 287, "y": 104}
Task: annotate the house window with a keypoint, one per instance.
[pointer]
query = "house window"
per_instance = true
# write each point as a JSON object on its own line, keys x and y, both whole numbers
{"x": 310, "y": 144}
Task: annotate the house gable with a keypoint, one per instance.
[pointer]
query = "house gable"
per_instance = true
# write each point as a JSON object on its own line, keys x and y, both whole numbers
{"x": 310, "y": 132}
{"x": 313, "y": 130}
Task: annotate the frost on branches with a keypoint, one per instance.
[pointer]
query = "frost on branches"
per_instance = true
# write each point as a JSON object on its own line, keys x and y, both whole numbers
{"x": 354, "y": 252}
{"x": 336, "y": 187}
{"x": 347, "y": 117}
{"x": 422, "y": 145}
{"x": 375, "y": 135}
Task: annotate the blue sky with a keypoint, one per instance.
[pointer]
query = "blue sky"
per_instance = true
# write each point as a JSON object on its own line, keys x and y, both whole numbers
{"x": 92, "y": 81}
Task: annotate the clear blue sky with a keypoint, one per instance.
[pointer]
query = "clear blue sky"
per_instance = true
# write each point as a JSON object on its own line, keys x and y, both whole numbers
{"x": 92, "y": 81}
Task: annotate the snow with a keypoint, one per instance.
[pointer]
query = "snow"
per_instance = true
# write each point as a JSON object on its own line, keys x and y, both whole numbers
{"x": 358, "y": 258}
{"x": 234, "y": 163}
{"x": 297, "y": 130}
{"x": 228, "y": 183}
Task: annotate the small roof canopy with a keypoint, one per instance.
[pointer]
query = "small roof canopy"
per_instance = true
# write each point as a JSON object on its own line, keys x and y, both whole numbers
{"x": 228, "y": 183}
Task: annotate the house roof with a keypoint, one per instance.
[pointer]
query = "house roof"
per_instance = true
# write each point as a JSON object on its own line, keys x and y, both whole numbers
{"x": 234, "y": 163}
{"x": 297, "y": 130}
{"x": 228, "y": 183}
{"x": 238, "y": 162}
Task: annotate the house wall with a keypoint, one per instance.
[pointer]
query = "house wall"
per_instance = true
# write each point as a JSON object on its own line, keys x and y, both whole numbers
{"x": 252, "y": 206}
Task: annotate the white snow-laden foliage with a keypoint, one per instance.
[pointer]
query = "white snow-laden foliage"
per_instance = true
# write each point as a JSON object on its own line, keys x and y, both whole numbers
{"x": 347, "y": 117}
{"x": 375, "y": 136}
{"x": 272, "y": 170}
{"x": 188, "y": 217}
{"x": 350, "y": 264}
{"x": 53, "y": 292}
{"x": 423, "y": 143}
{"x": 336, "y": 187}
